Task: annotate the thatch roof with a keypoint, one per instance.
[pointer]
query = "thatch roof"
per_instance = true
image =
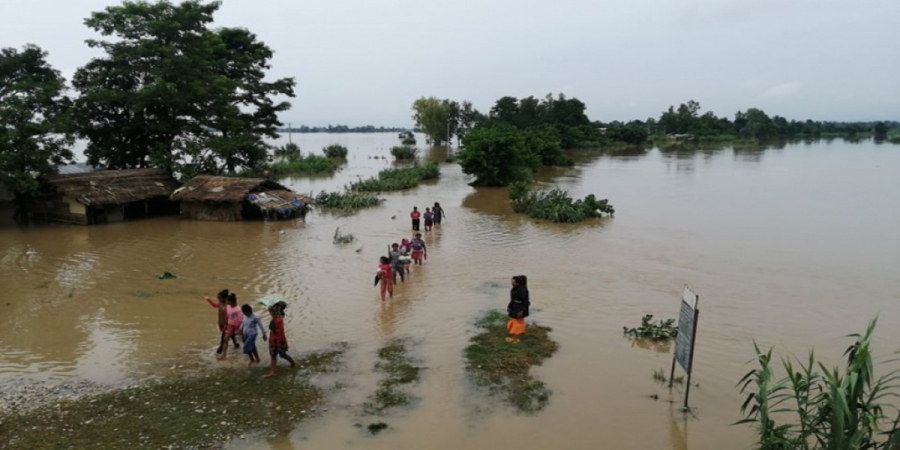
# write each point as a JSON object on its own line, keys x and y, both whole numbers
{"x": 109, "y": 187}
{"x": 213, "y": 189}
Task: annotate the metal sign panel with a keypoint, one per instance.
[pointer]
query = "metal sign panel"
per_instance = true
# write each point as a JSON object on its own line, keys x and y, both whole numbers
{"x": 686, "y": 326}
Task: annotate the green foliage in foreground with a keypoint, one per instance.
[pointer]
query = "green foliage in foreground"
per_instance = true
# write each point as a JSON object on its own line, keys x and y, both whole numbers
{"x": 555, "y": 205}
{"x": 398, "y": 179}
{"x": 660, "y": 331}
{"x": 296, "y": 163}
{"x": 335, "y": 151}
{"x": 503, "y": 367}
{"x": 347, "y": 200}
{"x": 187, "y": 412}
{"x": 828, "y": 410}
{"x": 404, "y": 152}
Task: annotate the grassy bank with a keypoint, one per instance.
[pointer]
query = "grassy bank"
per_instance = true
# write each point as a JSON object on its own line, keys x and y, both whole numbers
{"x": 196, "y": 411}
{"x": 398, "y": 179}
{"x": 504, "y": 368}
{"x": 399, "y": 370}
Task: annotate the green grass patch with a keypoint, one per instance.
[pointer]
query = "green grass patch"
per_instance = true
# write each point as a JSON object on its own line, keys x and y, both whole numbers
{"x": 196, "y": 411}
{"x": 301, "y": 164}
{"x": 405, "y": 151}
{"x": 398, "y": 178}
{"x": 555, "y": 205}
{"x": 335, "y": 151}
{"x": 399, "y": 370}
{"x": 503, "y": 367}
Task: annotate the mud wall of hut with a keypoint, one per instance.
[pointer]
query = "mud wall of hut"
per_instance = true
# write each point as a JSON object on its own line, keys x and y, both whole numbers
{"x": 58, "y": 208}
{"x": 223, "y": 212}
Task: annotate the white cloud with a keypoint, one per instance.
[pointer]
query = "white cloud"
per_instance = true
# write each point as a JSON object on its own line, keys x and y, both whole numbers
{"x": 784, "y": 89}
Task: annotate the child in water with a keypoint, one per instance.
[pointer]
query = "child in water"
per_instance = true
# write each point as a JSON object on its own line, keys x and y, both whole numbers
{"x": 385, "y": 275}
{"x": 233, "y": 328}
{"x": 419, "y": 251}
{"x": 220, "y": 303}
{"x": 278, "y": 345}
{"x": 429, "y": 219}
{"x": 248, "y": 328}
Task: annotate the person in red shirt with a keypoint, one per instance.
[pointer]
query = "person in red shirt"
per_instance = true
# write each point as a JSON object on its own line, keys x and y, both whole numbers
{"x": 278, "y": 345}
{"x": 415, "y": 214}
{"x": 386, "y": 276}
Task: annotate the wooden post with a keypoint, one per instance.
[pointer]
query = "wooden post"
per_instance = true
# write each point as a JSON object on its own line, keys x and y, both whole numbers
{"x": 687, "y": 391}
{"x": 672, "y": 372}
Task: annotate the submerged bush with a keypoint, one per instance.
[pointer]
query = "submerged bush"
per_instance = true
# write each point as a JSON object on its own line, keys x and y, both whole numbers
{"x": 555, "y": 205}
{"x": 347, "y": 200}
{"x": 398, "y": 178}
{"x": 303, "y": 164}
{"x": 335, "y": 151}
{"x": 408, "y": 140}
{"x": 831, "y": 409}
{"x": 660, "y": 331}
{"x": 405, "y": 152}
{"x": 288, "y": 151}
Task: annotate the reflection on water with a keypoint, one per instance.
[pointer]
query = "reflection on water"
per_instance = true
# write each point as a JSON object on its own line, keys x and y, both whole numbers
{"x": 793, "y": 247}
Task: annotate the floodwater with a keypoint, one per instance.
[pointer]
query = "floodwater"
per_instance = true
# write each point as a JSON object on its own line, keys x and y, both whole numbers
{"x": 793, "y": 246}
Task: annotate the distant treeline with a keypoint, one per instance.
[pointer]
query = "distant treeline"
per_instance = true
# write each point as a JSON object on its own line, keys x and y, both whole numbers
{"x": 341, "y": 129}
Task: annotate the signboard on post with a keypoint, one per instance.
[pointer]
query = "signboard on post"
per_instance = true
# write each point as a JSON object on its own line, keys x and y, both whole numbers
{"x": 684, "y": 341}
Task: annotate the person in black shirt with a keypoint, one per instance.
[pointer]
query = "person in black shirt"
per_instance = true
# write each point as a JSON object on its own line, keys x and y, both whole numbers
{"x": 517, "y": 308}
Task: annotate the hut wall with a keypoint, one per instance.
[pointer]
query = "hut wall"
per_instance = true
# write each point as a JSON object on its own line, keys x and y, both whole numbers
{"x": 75, "y": 207}
{"x": 222, "y": 212}
{"x": 56, "y": 208}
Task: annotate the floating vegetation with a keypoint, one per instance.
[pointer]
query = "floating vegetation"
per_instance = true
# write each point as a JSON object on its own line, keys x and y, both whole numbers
{"x": 405, "y": 151}
{"x": 398, "y": 178}
{"x": 660, "y": 331}
{"x": 347, "y": 200}
{"x": 555, "y": 205}
{"x": 335, "y": 151}
{"x": 377, "y": 427}
{"x": 503, "y": 367}
{"x": 183, "y": 412}
{"x": 167, "y": 276}
{"x": 341, "y": 239}
{"x": 400, "y": 369}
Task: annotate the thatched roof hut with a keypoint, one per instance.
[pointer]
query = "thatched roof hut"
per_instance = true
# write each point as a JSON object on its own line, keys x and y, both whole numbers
{"x": 207, "y": 197}
{"x": 103, "y": 196}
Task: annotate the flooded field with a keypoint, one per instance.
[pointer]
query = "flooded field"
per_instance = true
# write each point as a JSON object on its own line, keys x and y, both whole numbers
{"x": 794, "y": 246}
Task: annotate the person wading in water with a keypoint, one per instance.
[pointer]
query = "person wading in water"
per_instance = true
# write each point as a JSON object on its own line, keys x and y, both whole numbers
{"x": 517, "y": 308}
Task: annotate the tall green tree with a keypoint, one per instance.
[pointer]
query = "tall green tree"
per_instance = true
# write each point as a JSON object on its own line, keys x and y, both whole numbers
{"x": 498, "y": 155}
{"x": 432, "y": 117}
{"x": 34, "y": 123}
{"x": 171, "y": 92}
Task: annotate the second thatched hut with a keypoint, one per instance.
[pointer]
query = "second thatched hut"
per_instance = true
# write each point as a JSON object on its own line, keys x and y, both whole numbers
{"x": 226, "y": 199}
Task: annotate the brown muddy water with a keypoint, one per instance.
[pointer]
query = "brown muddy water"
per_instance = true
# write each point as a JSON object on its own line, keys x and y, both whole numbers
{"x": 793, "y": 246}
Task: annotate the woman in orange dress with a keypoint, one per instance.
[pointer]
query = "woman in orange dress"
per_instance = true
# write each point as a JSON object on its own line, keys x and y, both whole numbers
{"x": 517, "y": 308}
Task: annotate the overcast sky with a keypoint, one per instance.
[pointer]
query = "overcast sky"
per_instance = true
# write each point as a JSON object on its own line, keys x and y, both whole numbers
{"x": 364, "y": 61}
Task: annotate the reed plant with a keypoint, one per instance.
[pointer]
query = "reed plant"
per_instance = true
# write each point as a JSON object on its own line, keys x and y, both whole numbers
{"x": 335, "y": 151}
{"x": 820, "y": 408}
{"x": 555, "y": 205}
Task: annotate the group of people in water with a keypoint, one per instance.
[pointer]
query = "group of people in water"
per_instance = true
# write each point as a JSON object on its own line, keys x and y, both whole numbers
{"x": 241, "y": 321}
{"x": 407, "y": 252}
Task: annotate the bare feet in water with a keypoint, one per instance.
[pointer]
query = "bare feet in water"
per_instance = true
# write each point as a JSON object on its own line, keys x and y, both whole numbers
{"x": 269, "y": 375}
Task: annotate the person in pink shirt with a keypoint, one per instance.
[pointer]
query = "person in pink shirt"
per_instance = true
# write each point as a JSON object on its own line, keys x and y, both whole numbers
{"x": 235, "y": 316}
{"x": 385, "y": 276}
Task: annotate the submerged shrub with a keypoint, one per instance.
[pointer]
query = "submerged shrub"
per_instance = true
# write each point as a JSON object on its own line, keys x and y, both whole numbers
{"x": 663, "y": 330}
{"x": 347, "y": 200}
{"x": 555, "y": 205}
{"x": 408, "y": 140}
{"x": 405, "y": 151}
{"x": 303, "y": 164}
{"x": 288, "y": 151}
{"x": 398, "y": 178}
{"x": 335, "y": 151}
